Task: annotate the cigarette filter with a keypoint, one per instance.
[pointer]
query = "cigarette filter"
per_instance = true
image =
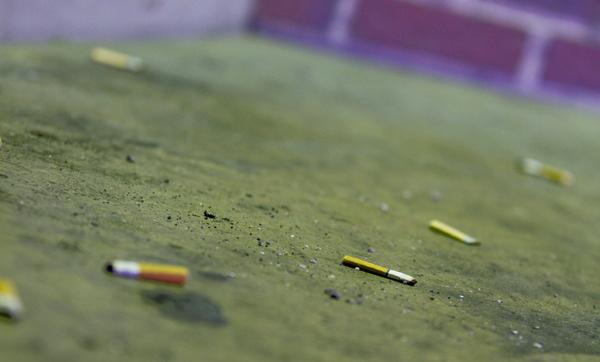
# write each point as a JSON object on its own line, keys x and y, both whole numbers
{"x": 448, "y": 230}
{"x": 156, "y": 272}
{"x": 10, "y": 303}
{"x": 378, "y": 270}
{"x": 116, "y": 59}
{"x": 536, "y": 168}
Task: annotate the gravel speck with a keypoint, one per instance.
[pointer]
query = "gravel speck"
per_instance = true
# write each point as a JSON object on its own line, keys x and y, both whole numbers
{"x": 130, "y": 159}
{"x": 333, "y": 294}
{"x": 384, "y": 207}
{"x": 538, "y": 345}
{"x": 371, "y": 250}
{"x": 313, "y": 261}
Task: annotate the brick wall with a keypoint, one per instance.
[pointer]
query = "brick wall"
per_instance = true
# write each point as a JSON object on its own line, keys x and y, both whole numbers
{"x": 538, "y": 47}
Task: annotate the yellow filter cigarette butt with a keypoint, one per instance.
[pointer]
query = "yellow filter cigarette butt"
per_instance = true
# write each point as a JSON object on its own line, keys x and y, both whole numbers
{"x": 532, "y": 167}
{"x": 116, "y": 59}
{"x": 172, "y": 274}
{"x": 10, "y": 303}
{"x": 378, "y": 270}
{"x": 448, "y": 230}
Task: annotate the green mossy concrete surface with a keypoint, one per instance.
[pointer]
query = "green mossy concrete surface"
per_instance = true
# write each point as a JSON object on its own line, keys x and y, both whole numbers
{"x": 299, "y": 150}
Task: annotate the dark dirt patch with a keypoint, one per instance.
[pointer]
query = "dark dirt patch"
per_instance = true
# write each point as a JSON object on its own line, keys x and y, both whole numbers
{"x": 217, "y": 277}
{"x": 186, "y": 307}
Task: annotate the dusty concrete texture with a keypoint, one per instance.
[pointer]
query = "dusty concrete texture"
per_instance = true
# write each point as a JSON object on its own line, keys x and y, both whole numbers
{"x": 294, "y": 153}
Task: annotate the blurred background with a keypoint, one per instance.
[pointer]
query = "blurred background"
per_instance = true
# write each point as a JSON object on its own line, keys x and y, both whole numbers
{"x": 542, "y": 48}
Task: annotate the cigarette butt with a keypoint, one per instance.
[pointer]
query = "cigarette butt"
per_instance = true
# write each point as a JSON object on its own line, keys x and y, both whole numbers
{"x": 536, "y": 168}
{"x": 448, "y": 230}
{"x": 116, "y": 59}
{"x": 10, "y": 303}
{"x": 378, "y": 270}
{"x": 171, "y": 274}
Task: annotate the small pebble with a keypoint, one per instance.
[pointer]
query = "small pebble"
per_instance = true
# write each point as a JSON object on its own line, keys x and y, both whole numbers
{"x": 302, "y": 266}
{"x": 536, "y": 327}
{"x": 499, "y": 301}
{"x": 538, "y": 345}
{"x": 313, "y": 261}
{"x": 333, "y": 294}
{"x": 371, "y": 250}
{"x": 514, "y": 332}
{"x": 209, "y": 215}
{"x": 331, "y": 276}
{"x": 384, "y": 207}
{"x": 130, "y": 159}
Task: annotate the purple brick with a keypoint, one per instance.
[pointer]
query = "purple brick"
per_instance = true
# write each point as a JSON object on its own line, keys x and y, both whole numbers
{"x": 573, "y": 64}
{"x": 583, "y": 10}
{"x": 312, "y": 15}
{"x": 439, "y": 33}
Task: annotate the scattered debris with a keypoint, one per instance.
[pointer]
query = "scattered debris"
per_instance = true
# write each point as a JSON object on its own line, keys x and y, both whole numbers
{"x": 333, "y": 294}
{"x": 130, "y": 159}
{"x": 536, "y": 168}
{"x": 264, "y": 243}
{"x": 10, "y": 303}
{"x": 370, "y": 250}
{"x": 384, "y": 207}
{"x": 155, "y": 272}
{"x": 378, "y": 270}
{"x": 116, "y": 59}
{"x": 209, "y": 215}
{"x": 448, "y": 230}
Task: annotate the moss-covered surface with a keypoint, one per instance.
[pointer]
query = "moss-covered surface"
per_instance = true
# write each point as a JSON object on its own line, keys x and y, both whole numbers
{"x": 299, "y": 150}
